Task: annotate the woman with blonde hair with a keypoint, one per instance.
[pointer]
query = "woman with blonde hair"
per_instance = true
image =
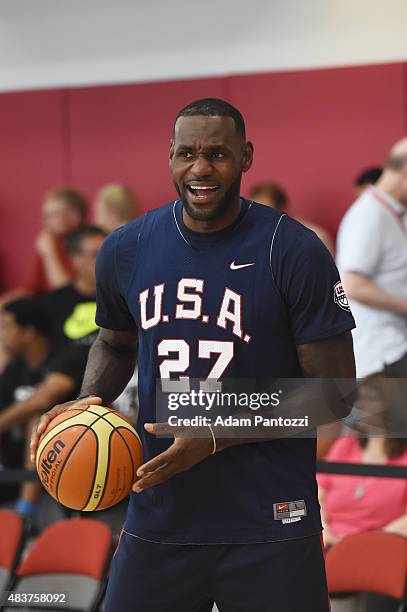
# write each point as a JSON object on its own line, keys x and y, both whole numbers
{"x": 115, "y": 205}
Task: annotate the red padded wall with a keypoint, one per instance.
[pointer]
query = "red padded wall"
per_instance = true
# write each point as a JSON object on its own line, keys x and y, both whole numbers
{"x": 122, "y": 134}
{"x": 312, "y": 130}
{"x": 33, "y": 157}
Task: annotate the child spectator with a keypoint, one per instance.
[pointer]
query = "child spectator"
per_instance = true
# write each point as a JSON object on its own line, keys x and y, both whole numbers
{"x": 72, "y": 308}
{"x": 37, "y": 377}
{"x": 63, "y": 211}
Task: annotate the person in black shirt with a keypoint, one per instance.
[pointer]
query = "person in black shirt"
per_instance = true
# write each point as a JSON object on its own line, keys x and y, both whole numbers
{"x": 38, "y": 375}
{"x": 72, "y": 308}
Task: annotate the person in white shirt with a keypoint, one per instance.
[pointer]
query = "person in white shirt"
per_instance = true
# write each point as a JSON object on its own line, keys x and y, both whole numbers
{"x": 372, "y": 259}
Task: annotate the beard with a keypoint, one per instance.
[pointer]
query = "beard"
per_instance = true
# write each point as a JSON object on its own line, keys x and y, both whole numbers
{"x": 211, "y": 212}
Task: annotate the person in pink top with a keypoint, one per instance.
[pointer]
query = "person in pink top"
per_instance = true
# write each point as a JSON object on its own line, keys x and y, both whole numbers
{"x": 352, "y": 504}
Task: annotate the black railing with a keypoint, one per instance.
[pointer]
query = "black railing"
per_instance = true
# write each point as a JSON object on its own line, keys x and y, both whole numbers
{"x": 9, "y": 475}
{"x": 362, "y": 469}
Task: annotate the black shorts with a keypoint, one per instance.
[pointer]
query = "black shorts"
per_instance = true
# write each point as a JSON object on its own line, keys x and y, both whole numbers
{"x": 284, "y": 576}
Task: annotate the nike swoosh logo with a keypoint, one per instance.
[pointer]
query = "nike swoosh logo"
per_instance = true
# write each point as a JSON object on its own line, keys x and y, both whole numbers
{"x": 234, "y": 266}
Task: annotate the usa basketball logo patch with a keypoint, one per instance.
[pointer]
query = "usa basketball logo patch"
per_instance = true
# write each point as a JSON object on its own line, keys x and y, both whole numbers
{"x": 340, "y": 297}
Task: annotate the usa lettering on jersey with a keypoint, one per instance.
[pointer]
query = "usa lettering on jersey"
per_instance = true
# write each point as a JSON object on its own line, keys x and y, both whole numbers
{"x": 190, "y": 293}
{"x": 189, "y": 306}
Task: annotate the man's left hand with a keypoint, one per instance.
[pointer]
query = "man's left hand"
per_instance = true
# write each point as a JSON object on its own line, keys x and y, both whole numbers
{"x": 184, "y": 453}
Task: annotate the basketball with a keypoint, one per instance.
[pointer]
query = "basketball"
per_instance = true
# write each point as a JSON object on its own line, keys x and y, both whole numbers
{"x": 87, "y": 459}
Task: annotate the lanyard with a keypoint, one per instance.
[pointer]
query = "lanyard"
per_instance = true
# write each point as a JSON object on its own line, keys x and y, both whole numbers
{"x": 384, "y": 203}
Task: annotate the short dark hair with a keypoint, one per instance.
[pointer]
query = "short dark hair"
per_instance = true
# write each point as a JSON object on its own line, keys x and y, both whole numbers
{"x": 73, "y": 198}
{"x": 29, "y": 312}
{"x": 213, "y": 107}
{"x": 369, "y": 176}
{"x": 74, "y": 239}
{"x": 273, "y": 190}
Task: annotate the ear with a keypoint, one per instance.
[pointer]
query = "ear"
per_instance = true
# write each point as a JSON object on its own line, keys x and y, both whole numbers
{"x": 30, "y": 334}
{"x": 247, "y": 158}
{"x": 171, "y": 152}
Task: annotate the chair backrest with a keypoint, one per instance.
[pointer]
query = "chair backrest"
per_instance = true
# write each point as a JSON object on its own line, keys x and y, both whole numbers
{"x": 72, "y": 546}
{"x": 373, "y": 562}
{"x": 71, "y": 557}
{"x": 11, "y": 534}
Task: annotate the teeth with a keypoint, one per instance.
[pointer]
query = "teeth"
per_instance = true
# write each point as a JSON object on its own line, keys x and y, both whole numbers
{"x": 201, "y": 187}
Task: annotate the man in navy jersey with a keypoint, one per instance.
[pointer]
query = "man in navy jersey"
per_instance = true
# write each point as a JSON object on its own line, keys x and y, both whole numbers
{"x": 214, "y": 287}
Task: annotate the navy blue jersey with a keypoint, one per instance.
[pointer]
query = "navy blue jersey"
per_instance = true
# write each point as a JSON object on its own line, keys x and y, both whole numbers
{"x": 233, "y": 304}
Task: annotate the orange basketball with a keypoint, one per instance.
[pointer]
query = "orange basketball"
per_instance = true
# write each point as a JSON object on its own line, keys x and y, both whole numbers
{"x": 87, "y": 459}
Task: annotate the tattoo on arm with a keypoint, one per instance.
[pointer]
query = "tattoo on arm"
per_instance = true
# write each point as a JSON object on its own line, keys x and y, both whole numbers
{"x": 327, "y": 399}
{"x": 111, "y": 363}
{"x": 329, "y": 358}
